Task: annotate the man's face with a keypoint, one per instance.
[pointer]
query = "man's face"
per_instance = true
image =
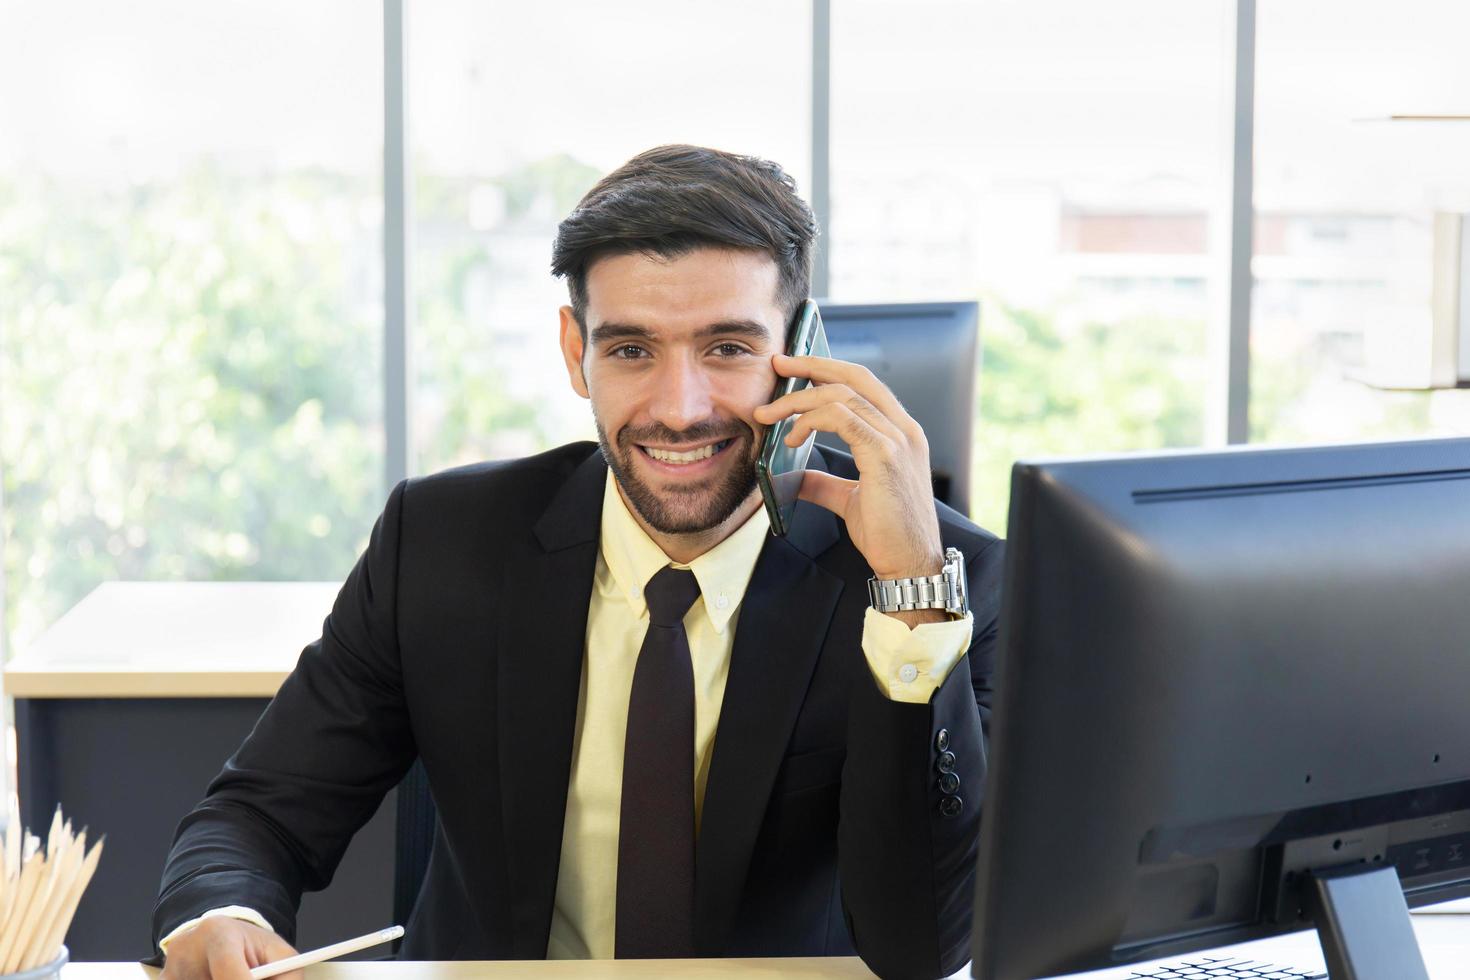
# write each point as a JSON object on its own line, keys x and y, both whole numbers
{"x": 677, "y": 357}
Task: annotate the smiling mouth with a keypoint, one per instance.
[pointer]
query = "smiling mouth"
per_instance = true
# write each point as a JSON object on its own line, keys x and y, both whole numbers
{"x": 684, "y": 458}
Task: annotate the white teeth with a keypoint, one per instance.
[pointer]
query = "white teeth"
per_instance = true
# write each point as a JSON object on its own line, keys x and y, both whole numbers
{"x": 693, "y": 456}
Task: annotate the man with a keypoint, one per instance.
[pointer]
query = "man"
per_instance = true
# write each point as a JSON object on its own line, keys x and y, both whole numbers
{"x": 651, "y": 727}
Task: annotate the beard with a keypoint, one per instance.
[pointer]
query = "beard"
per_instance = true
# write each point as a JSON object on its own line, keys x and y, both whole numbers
{"x": 684, "y": 509}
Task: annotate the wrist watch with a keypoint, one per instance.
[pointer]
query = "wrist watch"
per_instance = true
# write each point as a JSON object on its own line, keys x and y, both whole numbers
{"x": 943, "y": 591}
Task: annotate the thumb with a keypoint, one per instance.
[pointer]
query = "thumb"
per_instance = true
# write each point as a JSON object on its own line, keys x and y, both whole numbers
{"x": 827, "y": 490}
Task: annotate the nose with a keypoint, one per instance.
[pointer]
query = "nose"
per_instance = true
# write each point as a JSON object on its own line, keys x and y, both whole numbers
{"x": 681, "y": 395}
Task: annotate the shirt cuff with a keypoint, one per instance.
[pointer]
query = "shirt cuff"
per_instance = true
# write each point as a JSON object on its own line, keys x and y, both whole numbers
{"x": 910, "y": 664}
{"x": 231, "y": 911}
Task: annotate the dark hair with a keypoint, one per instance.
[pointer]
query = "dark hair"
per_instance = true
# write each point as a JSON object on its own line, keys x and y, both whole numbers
{"x": 670, "y": 200}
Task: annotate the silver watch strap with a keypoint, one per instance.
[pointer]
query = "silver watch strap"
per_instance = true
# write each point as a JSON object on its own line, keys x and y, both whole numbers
{"x": 943, "y": 591}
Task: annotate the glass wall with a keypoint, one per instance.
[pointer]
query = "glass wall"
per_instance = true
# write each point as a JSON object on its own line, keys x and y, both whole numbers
{"x": 1345, "y": 204}
{"x": 191, "y": 260}
{"x": 1060, "y": 162}
{"x": 190, "y": 294}
{"x": 507, "y": 135}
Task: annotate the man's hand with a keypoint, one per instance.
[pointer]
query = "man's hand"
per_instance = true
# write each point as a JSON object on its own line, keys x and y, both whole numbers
{"x": 889, "y": 509}
{"x": 221, "y": 948}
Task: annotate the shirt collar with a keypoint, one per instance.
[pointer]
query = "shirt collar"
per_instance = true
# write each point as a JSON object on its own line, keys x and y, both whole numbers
{"x": 723, "y": 572}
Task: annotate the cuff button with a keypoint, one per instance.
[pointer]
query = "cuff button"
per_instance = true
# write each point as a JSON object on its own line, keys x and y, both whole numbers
{"x": 949, "y": 783}
{"x": 945, "y": 762}
{"x": 950, "y": 806}
{"x": 941, "y": 740}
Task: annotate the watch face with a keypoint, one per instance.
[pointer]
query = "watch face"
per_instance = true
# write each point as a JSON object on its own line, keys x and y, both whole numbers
{"x": 954, "y": 567}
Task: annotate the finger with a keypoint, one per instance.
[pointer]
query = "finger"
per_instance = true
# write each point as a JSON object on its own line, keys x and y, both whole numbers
{"x": 798, "y": 401}
{"x": 829, "y": 370}
{"x": 809, "y": 399}
{"x": 869, "y": 446}
{"x": 828, "y": 490}
{"x": 273, "y": 948}
{"x": 857, "y": 406}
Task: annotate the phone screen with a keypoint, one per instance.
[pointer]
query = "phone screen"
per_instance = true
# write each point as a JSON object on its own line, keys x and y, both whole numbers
{"x": 779, "y": 468}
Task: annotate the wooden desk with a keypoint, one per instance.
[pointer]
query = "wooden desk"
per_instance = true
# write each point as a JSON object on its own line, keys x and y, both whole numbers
{"x": 174, "y": 640}
{"x": 127, "y": 707}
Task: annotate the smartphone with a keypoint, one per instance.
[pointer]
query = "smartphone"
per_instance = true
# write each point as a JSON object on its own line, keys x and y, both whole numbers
{"x": 779, "y": 467}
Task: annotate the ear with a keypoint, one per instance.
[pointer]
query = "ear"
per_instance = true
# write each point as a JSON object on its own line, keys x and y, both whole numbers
{"x": 572, "y": 347}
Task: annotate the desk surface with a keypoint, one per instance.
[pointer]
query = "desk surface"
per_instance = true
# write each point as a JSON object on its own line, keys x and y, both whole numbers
{"x": 819, "y": 967}
{"x": 174, "y": 639}
{"x": 1444, "y": 939}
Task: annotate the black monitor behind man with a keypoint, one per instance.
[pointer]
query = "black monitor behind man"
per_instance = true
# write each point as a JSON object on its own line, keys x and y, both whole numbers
{"x": 771, "y": 767}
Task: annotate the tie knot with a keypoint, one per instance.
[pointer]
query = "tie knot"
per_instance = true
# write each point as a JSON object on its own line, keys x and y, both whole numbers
{"x": 669, "y": 594}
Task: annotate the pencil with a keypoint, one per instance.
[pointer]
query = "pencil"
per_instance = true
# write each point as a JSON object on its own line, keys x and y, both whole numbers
{"x": 326, "y": 953}
{"x": 44, "y": 952}
{"x": 40, "y": 888}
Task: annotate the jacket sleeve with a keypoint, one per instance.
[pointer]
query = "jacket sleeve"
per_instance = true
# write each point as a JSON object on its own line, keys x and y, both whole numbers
{"x": 277, "y": 819}
{"x": 907, "y": 843}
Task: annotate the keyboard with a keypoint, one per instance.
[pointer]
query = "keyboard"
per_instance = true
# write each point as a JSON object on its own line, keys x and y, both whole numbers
{"x": 1225, "y": 968}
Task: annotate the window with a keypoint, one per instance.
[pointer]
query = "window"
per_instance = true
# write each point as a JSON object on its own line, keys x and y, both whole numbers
{"x": 508, "y": 135}
{"x": 1061, "y": 163}
{"x": 190, "y": 236}
{"x": 506, "y": 138}
{"x": 1345, "y": 204}
{"x": 190, "y": 280}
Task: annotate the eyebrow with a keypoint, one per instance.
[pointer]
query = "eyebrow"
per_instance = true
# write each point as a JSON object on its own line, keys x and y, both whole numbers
{"x": 751, "y": 329}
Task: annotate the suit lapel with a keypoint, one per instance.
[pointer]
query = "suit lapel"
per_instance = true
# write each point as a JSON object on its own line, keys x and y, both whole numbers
{"x": 542, "y": 642}
{"x": 783, "y": 621}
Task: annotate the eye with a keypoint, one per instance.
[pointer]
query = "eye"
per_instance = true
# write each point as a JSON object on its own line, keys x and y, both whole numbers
{"x": 730, "y": 350}
{"x": 628, "y": 352}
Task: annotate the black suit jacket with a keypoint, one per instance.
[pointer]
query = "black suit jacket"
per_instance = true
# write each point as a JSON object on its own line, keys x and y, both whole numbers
{"x": 459, "y": 638}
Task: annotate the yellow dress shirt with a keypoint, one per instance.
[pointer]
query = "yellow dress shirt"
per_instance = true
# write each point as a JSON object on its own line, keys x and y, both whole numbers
{"x": 907, "y": 665}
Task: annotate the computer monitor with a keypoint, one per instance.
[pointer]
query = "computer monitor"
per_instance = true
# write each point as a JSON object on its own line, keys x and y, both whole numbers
{"x": 928, "y": 354}
{"x": 1233, "y": 700}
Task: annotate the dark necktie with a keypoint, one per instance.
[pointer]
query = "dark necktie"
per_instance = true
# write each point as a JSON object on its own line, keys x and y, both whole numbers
{"x": 655, "y": 907}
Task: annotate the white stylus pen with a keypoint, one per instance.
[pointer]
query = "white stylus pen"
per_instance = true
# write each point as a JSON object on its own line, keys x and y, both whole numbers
{"x": 325, "y": 953}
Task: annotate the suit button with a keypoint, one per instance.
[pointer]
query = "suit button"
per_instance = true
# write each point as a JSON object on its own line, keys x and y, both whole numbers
{"x": 941, "y": 740}
{"x": 949, "y": 783}
{"x": 950, "y": 806}
{"x": 945, "y": 762}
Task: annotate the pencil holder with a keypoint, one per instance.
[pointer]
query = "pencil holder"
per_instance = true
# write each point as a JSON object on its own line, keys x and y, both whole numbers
{"x": 46, "y": 971}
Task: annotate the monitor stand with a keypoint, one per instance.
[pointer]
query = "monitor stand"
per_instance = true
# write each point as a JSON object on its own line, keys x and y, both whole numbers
{"x": 1364, "y": 926}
